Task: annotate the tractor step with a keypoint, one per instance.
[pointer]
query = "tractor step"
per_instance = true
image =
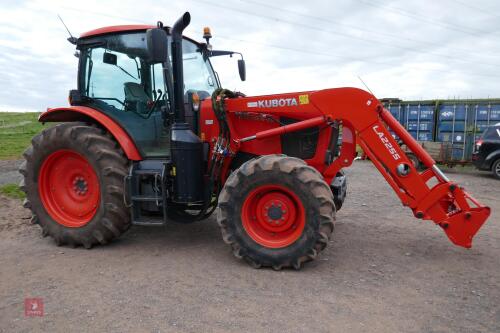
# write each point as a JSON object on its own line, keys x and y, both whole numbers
{"x": 147, "y": 172}
{"x": 145, "y": 198}
{"x": 150, "y": 221}
{"x": 146, "y": 192}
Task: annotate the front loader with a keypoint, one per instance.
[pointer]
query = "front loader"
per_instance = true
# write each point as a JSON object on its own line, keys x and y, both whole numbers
{"x": 151, "y": 137}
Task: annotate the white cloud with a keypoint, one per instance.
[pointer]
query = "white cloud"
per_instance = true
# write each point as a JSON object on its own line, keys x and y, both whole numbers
{"x": 411, "y": 49}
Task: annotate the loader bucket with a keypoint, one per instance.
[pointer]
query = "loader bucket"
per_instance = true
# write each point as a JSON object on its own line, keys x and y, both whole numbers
{"x": 461, "y": 228}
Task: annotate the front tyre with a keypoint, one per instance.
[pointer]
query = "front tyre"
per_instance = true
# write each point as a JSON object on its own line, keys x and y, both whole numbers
{"x": 496, "y": 169}
{"x": 276, "y": 211}
{"x": 73, "y": 179}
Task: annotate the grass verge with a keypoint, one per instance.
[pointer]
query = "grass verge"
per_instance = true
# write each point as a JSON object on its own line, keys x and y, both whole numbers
{"x": 16, "y": 131}
{"x": 12, "y": 191}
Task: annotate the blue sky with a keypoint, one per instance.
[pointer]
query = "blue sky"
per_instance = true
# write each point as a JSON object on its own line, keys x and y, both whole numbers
{"x": 407, "y": 49}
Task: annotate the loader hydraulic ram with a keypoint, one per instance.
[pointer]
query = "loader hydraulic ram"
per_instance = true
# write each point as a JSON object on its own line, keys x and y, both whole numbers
{"x": 144, "y": 144}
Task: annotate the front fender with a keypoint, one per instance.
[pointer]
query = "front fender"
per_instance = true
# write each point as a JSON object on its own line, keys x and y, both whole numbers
{"x": 492, "y": 157}
{"x": 83, "y": 113}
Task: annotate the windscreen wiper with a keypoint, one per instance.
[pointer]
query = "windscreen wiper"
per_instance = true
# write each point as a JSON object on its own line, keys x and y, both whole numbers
{"x": 126, "y": 72}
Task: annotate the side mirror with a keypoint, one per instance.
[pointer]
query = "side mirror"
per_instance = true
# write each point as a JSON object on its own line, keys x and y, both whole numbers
{"x": 157, "y": 44}
{"x": 109, "y": 58}
{"x": 242, "y": 69}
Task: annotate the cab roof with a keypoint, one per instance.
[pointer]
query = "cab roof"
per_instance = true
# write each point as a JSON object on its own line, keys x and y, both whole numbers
{"x": 116, "y": 28}
{"x": 125, "y": 28}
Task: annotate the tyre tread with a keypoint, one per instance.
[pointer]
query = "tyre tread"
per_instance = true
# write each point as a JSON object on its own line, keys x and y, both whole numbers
{"x": 308, "y": 176}
{"x": 114, "y": 165}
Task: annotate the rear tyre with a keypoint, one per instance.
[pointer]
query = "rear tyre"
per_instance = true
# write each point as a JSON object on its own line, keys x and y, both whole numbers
{"x": 276, "y": 211}
{"x": 496, "y": 169}
{"x": 73, "y": 179}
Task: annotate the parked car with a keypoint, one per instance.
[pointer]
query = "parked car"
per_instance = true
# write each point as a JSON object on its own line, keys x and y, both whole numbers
{"x": 486, "y": 155}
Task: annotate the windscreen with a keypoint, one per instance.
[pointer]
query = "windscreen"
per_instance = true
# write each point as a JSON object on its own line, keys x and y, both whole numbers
{"x": 115, "y": 70}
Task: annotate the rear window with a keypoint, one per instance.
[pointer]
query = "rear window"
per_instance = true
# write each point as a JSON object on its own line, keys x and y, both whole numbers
{"x": 492, "y": 133}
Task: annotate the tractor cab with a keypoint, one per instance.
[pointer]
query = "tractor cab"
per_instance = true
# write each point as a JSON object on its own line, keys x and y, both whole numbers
{"x": 117, "y": 77}
{"x": 148, "y": 81}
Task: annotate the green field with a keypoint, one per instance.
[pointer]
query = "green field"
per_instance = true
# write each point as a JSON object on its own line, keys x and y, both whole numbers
{"x": 16, "y": 131}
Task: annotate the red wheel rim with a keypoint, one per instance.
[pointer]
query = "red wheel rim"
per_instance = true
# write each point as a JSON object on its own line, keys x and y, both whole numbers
{"x": 69, "y": 188}
{"x": 273, "y": 216}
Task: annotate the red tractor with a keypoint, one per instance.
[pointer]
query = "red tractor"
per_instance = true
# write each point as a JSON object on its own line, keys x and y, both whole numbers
{"x": 151, "y": 137}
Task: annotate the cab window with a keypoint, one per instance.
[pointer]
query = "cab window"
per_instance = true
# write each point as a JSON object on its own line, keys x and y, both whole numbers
{"x": 198, "y": 73}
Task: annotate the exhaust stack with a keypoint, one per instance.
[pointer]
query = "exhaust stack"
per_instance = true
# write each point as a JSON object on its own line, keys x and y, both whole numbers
{"x": 177, "y": 68}
{"x": 185, "y": 146}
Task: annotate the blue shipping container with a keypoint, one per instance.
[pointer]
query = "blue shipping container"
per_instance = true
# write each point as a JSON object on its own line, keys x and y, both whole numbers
{"x": 452, "y": 112}
{"x": 484, "y": 115}
{"x": 457, "y": 153}
{"x": 451, "y": 137}
{"x": 420, "y": 121}
{"x": 459, "y": 123}
{"x": 494, "y": 113}
{"x": 482, "y": 112}
{"x": 398, "y": 112}
{"x": 452, "y": 119}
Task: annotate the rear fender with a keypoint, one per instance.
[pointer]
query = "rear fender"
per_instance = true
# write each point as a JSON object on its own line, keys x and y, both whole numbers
{"x": 83, "y": 113}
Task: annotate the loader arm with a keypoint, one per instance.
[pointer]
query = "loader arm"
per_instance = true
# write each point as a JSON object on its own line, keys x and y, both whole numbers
{"x": 429, "y": 194}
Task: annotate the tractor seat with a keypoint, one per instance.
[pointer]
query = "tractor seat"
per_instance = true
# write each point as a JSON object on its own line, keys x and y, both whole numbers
{"x": 135, "y": 97}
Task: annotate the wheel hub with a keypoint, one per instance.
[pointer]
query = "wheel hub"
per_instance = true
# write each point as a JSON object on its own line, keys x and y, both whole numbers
{"x": 273, "y": 216}
{"x": 69, "y": 188}
{"x": 80, "y": 185}
{"x": 275, "y": 212}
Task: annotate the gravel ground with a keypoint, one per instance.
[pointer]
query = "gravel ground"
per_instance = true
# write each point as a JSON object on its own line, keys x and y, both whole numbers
{"x": 384, "y": 272}
{"x": 8, "y": 172}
